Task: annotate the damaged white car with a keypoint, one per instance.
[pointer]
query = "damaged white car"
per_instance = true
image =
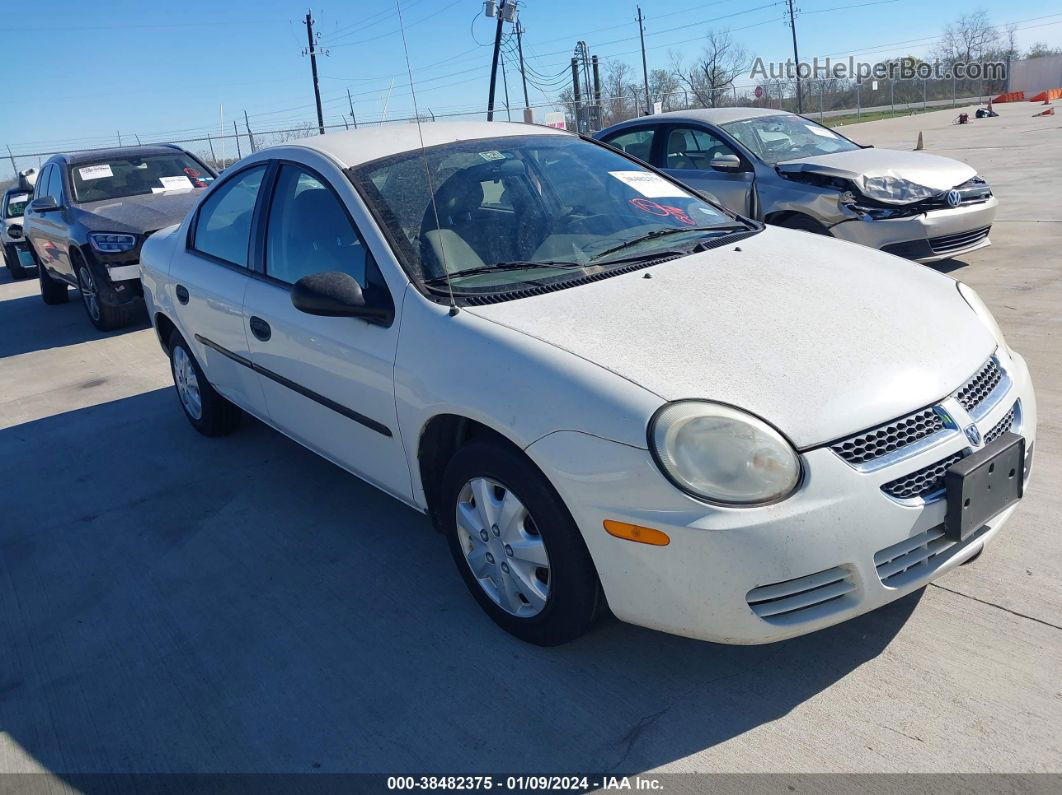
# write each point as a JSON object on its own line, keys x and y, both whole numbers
{"x": 789, "y": 171}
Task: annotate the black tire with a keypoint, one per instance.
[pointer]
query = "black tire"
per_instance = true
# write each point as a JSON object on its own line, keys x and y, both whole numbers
{"x": 14, "y": 267}
{"x": 803, "y": 223}
{"x": 574, "y": 597}
{"x": 53, "y": 291}
{"x": 218, "y": 416}
{"x": 104, "y": 316}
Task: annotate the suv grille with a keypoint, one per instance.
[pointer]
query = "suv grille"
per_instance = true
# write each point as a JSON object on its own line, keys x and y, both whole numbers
{"x": 877, "y": 442}
{"x": 1002, "y": 426}
{"x": 921, "y": 482}
{"x": 980, "y": 386}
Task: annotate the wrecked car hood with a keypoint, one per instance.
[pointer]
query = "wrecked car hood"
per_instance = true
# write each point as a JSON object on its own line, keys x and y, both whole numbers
{"x": 138, "y": 214}
{"x": 933, "y": 172}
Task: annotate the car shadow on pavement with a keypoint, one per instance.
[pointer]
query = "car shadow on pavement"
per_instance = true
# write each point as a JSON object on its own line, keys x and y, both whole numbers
{"x": 27, "y": 324}
{"x": 948, "y": 265}
{"x": 173, "y": 603}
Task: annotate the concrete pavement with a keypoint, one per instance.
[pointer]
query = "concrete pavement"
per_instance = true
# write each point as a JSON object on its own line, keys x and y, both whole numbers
{"x": 173, "y": 603}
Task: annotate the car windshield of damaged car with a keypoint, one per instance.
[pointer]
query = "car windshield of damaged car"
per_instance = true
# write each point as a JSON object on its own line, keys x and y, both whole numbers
{"x": 529, "y": 210}
{"x": 777, "y": 138}
{"x": 137, "y": 176}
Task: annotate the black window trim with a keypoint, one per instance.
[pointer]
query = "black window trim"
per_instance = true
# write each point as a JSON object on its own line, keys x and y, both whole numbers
{"x": 189, "y": 241}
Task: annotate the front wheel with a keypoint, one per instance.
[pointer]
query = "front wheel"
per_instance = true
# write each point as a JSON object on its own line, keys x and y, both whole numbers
{"x": 516, "y": 545}
{"x": 105, "y": 317}
{"x": 209, "y": 412}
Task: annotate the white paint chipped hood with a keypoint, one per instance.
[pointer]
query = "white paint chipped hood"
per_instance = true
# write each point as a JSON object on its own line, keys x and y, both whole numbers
{"x": 820, "y": 337}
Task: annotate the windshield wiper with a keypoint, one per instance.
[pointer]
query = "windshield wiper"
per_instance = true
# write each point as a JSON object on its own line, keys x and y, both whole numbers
{"x": 501, "y": 266}
{"x": 653, "y": 235}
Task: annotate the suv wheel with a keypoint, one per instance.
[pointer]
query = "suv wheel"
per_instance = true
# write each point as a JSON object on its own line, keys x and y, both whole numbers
{"x": 209, "y": 412}
{"x": 516, "y": 545}
{"x": 14, "y": 266}
{"x": 53, "y": 291}
{"x": 104, "y": 316}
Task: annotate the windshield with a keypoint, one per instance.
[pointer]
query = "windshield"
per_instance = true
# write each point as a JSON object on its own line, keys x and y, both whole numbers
{"x": 16, "y": 205}
{"x": 787, "y": 137}
{"x": 528, "y": 210}
{"x": 135, "y": 176}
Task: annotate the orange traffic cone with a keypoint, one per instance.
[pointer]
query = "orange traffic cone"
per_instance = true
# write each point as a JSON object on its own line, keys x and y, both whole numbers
{"x": 1048, "y": 112}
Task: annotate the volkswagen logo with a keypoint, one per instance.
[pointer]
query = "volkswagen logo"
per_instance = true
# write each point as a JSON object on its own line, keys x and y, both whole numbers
{"x": 973, "y": 435}
{"x": 953, "y": 198}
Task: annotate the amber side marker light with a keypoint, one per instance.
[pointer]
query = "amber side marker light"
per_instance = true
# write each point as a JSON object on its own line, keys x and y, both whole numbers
{"x": 633, "y": 532}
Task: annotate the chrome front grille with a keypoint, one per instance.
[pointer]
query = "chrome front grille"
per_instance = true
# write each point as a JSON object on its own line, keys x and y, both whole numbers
{"x": 922, "y": 482}
{"x": 802, "y": 599}
{"x": 890, "y": 437}
{"x": 1004, "y": 425}
{"x": 973, "y": 392}
{"x": 949, "y": 244}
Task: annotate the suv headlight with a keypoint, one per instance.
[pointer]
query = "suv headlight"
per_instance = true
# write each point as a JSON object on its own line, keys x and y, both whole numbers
{"x": 721, "y": 454}
{"x": 112, "y": 242}
{"x": 982, "y": 311}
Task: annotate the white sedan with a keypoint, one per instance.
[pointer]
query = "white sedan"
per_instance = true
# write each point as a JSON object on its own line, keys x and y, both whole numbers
{"x": 602, "y": 388}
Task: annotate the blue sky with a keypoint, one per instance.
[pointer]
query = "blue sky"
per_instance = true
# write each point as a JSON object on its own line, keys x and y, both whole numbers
{"x": 163, "y": 70}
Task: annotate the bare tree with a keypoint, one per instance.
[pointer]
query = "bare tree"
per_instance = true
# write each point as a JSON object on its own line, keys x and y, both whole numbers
{"x": 617, "y": 92}
{"x": 714, "y": 72}
{"x": 664, "y": 88}
{"x": 970, "y": 38}
{"x": 1041, "y": 49}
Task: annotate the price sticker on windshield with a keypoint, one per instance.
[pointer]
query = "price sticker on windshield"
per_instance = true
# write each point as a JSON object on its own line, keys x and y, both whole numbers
{"x": 650, "y": 185}
{"x": 96, "y": 172}
{"x": 176, "y": 183}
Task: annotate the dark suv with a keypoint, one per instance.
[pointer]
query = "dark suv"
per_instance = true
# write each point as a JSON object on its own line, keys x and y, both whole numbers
{"x": 91, "y": 212}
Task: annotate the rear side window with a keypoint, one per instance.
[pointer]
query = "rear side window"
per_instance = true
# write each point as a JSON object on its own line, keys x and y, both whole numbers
{"x": 637, "y": 143}
{"x": 309, "y": 231}
{"x": 41, "y": 188}
{"x": 223, "y": 227}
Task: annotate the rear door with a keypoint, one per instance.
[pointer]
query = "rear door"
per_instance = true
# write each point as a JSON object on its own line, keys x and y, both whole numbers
{"x": 328, "y": 381}
{"x": 47, "y": 231}
{"x": 209, "y": 279}
{"x": 686, "y": 153}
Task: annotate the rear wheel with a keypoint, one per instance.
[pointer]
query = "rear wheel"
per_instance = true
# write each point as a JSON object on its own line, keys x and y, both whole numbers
{"x": 209, "y": 412}
{"x": 104, "y": 316}
{"x": 516, "y": 545}
{"x": 14, "y": 265}
{"x": 53, "y": 291}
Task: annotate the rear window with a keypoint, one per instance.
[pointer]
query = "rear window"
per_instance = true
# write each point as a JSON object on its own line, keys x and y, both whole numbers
{"x": 16, "y": 205}
{"x": 135, "y": 176}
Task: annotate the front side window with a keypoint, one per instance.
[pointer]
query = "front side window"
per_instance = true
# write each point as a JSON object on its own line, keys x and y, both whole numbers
{"x": 503, "y": 212}
{"x": 309, "y": 231}
{"x": 786, "y": 137}
{"x": 692, "y": 148}
{"x": 137, "y": 176}
{"x": 55, "y": 184}
{"x": 16, "y": 205}
{"x": 636, "y": 143}
{"x": 41, "y": 187}
{"x": 223, "y": 226}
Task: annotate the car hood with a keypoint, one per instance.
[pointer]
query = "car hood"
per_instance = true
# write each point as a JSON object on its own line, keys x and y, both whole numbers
{"x": 138, "y": 214}
{"x": 931, "y": 171}
{"x": 820, "y": 337}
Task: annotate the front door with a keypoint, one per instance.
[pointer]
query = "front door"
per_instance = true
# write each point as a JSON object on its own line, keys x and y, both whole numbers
{"x": 328, "y": 381}
{"x": 687, "y": 153}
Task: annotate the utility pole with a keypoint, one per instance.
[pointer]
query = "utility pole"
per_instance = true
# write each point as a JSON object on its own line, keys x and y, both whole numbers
{"x": 596, "y": 120}
{"x": 14, "y": 168}
{"x": 796, "y": 55}
{"x": 313, "y": 68}
{"x": 236, "y": 135}
{"x": 520, "y": 49}
{"x": 575, "y": 93}
{"x": 250, "y": 135}
{"x": 494, "y": 63}
{"x": 505, "y": 85}
{"x": 645, "y": 70}
{"x": 351, "y": 103}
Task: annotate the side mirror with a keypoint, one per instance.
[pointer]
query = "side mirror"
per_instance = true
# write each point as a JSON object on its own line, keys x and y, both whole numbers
{"x": 43, "y": 204}
{"x": 335, "y": 294}
{"x": 726, "y": 163}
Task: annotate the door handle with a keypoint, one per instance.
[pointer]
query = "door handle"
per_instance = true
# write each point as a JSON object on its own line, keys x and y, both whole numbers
{"x": 182, "y": 293}
{"x": 260, "y": 328}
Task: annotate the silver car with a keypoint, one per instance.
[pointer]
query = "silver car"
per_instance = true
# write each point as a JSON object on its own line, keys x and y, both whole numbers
{"x": 787, "y": 170}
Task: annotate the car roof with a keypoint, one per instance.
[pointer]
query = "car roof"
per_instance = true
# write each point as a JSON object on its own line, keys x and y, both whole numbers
{"x": 708, "y": 115}
{"x": 354, "y": 147}
{"x": 96, "y": 155}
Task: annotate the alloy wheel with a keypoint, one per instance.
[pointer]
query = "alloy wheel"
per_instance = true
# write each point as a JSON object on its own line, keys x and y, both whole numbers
{"x": 187, "y": 382}
{"x": 503, "y": 547}
{"x": 88, "y": 292}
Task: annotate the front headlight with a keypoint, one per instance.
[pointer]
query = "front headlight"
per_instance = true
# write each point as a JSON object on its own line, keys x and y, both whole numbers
{"x": 894, "y": 189}
{"x": 722, "y": 454}
{"x": 982, "y": 311}
{"x": 112, "y": 242}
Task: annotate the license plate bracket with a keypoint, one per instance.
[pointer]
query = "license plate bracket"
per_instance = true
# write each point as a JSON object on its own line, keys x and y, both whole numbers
{"x": 982, "y": 485}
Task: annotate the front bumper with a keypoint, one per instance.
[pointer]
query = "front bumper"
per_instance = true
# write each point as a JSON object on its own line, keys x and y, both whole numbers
{"x": 927, "y": 237}
{"x": 839, "y": 534}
